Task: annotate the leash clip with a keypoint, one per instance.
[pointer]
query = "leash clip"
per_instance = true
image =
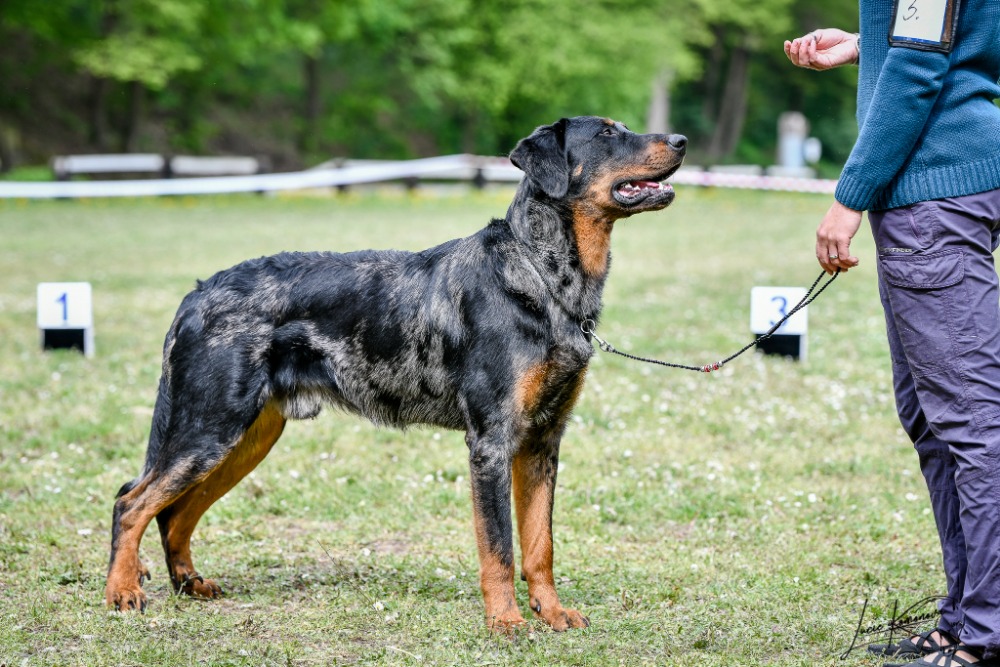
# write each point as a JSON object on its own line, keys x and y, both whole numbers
{"x": 587, "y": 327}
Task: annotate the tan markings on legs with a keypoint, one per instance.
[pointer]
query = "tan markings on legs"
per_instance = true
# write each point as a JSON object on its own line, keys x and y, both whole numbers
{"x": 534, "y": 485}
{"x": 133, "y": 512}
{"x": 496, "y": 581}
{"x": 177, "y": 522}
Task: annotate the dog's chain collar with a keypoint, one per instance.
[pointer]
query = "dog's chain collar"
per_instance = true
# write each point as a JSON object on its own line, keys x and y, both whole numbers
{"x": 588, "y": 327}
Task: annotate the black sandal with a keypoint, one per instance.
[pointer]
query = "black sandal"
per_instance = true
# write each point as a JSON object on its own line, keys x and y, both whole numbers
{"x": 923, "y": 645}
{"x": 949, "y": 658}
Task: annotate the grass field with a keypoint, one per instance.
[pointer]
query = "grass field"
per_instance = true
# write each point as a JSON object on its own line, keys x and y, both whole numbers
{"x": 738, "y": 518}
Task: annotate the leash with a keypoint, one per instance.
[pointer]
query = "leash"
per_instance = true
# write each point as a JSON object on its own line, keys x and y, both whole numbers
{"x": 588, "y": 326}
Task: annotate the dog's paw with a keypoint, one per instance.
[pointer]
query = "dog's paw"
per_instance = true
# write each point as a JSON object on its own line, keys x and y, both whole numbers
{"x": 127, "y": 599}
{"x": 560, "y": 618}
{"x": 200, "y": 588}
{"x": 123, "y": 591}
{"x": 508, "y": 624}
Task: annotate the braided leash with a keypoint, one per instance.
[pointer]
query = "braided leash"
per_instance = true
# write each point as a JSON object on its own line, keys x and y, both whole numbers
{"x": 588, "y": 326}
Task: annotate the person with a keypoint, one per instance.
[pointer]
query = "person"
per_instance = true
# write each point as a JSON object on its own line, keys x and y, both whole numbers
{"x": 926, "y": 168}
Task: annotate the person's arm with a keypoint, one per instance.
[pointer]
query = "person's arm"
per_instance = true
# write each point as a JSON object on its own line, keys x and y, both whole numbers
{"x": 908, "y": 85}
{"x": 907, "y": 88}
{"x": 822, "y": 50}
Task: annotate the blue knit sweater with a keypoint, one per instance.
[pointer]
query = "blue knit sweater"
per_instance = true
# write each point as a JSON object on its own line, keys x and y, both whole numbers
{"x": 928, "y": 128}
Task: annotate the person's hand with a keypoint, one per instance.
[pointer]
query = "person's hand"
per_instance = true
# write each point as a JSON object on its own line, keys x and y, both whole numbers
{"x": 822, "y": 49}
{"x": 833, "y": 238}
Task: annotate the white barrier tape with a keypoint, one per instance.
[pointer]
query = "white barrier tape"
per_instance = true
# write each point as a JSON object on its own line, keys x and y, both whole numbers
{"x": 751, "y": 182}
{"x": 320, "y": 178}
{"x": 449, "y": 166}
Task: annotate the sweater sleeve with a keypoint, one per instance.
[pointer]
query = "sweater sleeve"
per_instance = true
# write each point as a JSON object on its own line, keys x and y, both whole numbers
{"x": 907, "y": 88}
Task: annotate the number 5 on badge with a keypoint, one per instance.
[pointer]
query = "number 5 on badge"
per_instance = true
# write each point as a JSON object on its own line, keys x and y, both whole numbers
{"x": 65, "y": 316}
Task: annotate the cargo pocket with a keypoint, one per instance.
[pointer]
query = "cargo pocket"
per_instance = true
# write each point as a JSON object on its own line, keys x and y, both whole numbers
{"x": 934, "y": 319}
{"x": 924, "y": 272}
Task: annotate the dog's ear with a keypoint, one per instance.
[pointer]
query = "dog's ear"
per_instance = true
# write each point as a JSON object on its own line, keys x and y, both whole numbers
{"x": 542, "y": 157}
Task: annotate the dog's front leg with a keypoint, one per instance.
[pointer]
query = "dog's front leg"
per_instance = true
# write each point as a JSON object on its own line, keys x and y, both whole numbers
{"x": 489, "y": 464}
{"x": 534, "y": 487}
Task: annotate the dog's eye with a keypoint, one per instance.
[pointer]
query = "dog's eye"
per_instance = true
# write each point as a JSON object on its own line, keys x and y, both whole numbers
{"x": 608, "y": 132}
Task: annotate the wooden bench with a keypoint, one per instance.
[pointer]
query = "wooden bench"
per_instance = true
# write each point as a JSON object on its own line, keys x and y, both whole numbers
{"x": 192, "y": 165}
{"x": 65, "y": 167}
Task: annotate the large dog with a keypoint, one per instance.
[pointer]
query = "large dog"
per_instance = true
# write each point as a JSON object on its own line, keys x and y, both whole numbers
{"x": 480, "y": 334}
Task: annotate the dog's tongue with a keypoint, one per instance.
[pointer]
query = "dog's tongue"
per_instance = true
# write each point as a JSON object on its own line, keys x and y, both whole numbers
{"x": 645, "y": 184}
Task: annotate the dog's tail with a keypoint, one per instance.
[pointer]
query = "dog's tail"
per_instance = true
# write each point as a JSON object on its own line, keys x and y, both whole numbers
{"x": 161, "y": 419}
{"x": 162, "y": 407}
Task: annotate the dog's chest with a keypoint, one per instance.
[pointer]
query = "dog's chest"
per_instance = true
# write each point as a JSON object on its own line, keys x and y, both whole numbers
{"x": 546, "y": 390}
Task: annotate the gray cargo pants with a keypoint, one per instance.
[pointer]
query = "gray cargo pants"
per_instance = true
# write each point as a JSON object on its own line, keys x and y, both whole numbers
{"x": 938, "y": 286}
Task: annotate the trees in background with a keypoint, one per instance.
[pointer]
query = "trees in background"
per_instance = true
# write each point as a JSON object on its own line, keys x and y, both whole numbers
{"x": 745, "y": 82}
{"x": 301, "y": 80}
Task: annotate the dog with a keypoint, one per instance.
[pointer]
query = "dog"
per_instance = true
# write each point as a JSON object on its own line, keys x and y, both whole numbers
{"x": 480, "y": 334}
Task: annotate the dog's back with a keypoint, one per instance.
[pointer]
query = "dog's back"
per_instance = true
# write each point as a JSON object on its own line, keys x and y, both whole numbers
{"x": 374, "y": 332}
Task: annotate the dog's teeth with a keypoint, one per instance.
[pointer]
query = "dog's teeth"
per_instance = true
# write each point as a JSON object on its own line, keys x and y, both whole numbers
{"x": 633, "y": 188}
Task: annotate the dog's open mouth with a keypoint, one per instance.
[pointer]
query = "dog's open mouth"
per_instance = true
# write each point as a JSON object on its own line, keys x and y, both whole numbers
{"x": 651, "y": 192}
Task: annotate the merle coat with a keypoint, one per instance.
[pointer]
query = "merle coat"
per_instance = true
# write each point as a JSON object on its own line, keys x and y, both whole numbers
{"x": 480, "y": 334}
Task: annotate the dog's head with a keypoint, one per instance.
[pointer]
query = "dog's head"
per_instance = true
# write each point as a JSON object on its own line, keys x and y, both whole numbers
{"x": 601, "y": 164}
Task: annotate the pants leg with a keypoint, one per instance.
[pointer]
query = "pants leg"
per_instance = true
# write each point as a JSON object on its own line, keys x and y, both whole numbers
{"x": 938, "y": 467}
{"x": 940, "y": 286}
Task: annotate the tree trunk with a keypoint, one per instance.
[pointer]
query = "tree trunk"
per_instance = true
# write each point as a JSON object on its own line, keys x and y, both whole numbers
{"x": 470, "y": 121}
{"x": 733, "y": 105}
{"x": 100, "y": 88}
{"x": 713, "y": 73}
{"x": 130, "y": 132}
{"x": 658, "y": 118}
{"x": 97, "y": 113}
{"x": 308, "y": 140}
{"x": 7, "y": 141}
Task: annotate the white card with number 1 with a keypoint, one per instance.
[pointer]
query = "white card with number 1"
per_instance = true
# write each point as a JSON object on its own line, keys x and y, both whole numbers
{"x": 65, "y": 306}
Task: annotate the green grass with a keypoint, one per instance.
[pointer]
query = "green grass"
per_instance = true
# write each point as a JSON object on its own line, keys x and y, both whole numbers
{"x": 32, "y": 173}
{"x": 737, "y": 518}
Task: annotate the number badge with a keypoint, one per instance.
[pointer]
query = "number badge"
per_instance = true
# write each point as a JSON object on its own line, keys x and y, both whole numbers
{"x": 928, "y": 25}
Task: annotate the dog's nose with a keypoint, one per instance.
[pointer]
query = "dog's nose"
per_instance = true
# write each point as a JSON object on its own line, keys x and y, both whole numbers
{"x": 678, "y": 142}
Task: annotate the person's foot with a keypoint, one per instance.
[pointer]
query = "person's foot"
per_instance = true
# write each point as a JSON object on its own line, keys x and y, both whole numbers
{"x": 924, "y": 643}
{"x": 956, "y": 655}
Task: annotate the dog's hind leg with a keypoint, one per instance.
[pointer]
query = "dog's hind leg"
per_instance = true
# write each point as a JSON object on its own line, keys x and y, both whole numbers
{"x": 177, "y": 521}
{"x": 186, "y": 471}
{"x": 137, "y": 503}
